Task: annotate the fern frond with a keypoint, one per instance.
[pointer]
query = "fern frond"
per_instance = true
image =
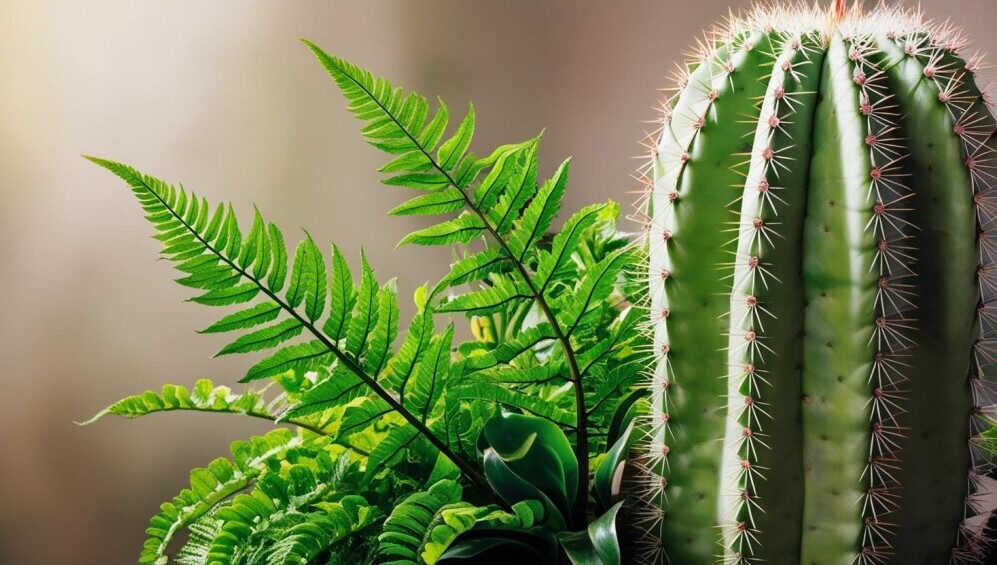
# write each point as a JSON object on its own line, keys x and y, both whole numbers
{"x": 510, "y": 397}
{"x": 204, "y": 396}
{"x": 210, "y": 486}
{"x": 303, "y": 542}
{"x": 499, "y": 207}
{"x": 257, "y": 525}
{"x": 389, "y": 450}
{"x": 211, "y": 249}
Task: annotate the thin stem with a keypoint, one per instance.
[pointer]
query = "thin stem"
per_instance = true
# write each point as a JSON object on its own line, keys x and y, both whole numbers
{"x": 466, "y": 468}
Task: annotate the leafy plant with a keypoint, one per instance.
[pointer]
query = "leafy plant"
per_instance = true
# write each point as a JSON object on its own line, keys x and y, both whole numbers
{"x": 427, "y": 449}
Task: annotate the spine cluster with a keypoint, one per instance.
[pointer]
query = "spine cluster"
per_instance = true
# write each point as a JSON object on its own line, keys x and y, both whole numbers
{"x": 893, "y": 319}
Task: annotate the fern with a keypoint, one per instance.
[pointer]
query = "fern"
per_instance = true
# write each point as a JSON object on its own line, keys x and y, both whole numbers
{"x": 293, "y": 513}
{"x": 426, "y": 524}
{"x": 505, "y": 208}
{"x": 384, "y": 420}
{"x": 204, "y": 396}
{"x": 211, "y": 485}
{"x": 232, "y": 270}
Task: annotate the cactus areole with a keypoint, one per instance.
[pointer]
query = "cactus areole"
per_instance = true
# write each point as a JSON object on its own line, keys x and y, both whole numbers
{"x": 822, "y": 264}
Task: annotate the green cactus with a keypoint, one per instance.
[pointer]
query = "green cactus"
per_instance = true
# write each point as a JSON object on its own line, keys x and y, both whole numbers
{"x": 820, "y": 273}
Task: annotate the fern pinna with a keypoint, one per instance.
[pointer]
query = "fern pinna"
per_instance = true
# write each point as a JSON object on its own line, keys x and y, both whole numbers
{"x": 386, "y": 444}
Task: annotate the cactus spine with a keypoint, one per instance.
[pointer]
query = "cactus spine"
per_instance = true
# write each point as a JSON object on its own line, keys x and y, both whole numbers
{"x": 820, "y": 282}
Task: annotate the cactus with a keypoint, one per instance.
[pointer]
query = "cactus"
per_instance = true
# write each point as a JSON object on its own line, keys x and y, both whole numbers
{"x": 821, "y": 270}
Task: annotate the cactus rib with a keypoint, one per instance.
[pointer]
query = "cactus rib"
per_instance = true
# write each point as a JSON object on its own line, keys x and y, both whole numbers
{"x": 963, "y": 114}
{"x": 766, "y": 311}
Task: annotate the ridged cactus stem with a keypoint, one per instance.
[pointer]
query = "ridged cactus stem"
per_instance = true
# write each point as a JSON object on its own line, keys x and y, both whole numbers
{"x": 947, "y": 294}
{"x": 826, "y": 331}
{"x": 766, "y": 312}
{"x": 721, "y": 90}
{"x": 859, "y": 255}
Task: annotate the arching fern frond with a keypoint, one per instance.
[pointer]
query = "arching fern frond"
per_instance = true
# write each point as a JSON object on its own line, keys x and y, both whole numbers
{"x": 212, "y": 485}
{"x": 352, "y": 330}
{"x": 204, "y": 396}
{"x": 426, "y": 524}
{"x": 281, "y": 518}
{"x": 292, "y": 514}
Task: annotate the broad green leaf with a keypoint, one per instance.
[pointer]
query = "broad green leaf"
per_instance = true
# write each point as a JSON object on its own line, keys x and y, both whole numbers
{"x": 598, "y": 544}
{"x": 538, "y": 451}
{"x": 609, "y": 473}
{"x": 515, "y": 489}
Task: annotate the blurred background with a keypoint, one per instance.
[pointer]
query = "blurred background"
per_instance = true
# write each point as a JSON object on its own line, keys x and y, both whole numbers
{"x": 221, "y": 96}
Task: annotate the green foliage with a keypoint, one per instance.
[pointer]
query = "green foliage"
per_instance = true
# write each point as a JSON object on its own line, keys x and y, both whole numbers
{"x": 596, "y": 545}
{"x": 211, "y": 486}
{"x": 410, "y": 452}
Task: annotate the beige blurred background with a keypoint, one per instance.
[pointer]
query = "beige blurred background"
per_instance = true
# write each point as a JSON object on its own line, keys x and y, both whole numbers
{"x": 221, "y": 96}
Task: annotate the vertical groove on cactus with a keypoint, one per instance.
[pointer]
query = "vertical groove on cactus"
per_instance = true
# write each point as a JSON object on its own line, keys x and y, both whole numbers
{"x": 843, "y": 293}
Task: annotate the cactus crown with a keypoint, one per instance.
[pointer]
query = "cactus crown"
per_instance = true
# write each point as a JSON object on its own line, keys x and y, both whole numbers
{"x": 818, "y": 202}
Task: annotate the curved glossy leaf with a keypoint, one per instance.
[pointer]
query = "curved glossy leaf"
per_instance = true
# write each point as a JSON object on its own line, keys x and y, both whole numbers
{"x": 598, "y": 544}
{"x": 609, "y": 473}
{"x": 538, "y": 451}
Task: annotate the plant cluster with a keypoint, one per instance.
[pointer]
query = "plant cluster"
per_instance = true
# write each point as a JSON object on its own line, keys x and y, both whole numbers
{"x": 793, "y": 363}
{"x": 414, "y": 448}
